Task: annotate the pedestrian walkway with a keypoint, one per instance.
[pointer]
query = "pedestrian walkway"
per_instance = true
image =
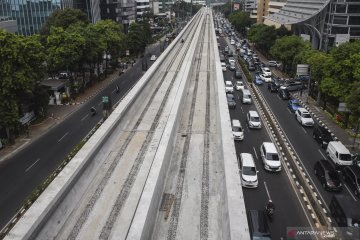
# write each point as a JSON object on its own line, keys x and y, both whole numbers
{"x": 319, "y": 114}
{"x": 56, "y": 114}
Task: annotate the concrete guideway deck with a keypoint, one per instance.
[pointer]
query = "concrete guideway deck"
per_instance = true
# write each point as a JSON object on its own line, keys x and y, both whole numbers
{"x": 162, "y": 138}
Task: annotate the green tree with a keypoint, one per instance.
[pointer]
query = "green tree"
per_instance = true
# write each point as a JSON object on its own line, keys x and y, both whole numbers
{"x": 138, "y": 37}
{"x": 286, "y": 50}
{"x": 62, "y": 18}
{"x": 262, "y": 36}
{"x": 241, "y": 21}
{"x": 21, "y": 70}
{"x": 65, "y": 49}
{"x": 282, "y": 31}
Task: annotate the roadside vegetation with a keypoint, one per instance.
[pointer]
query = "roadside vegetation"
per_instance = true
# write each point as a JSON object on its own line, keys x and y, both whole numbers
{"x": 334, "y": 75}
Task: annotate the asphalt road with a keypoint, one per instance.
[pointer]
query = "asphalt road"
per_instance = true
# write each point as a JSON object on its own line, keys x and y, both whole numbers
{"x": 289, "y": 211}
{"x": 28, "y": 168}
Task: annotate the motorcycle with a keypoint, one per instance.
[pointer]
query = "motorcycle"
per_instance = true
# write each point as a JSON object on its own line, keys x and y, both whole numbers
{"x": 93, "y": 111}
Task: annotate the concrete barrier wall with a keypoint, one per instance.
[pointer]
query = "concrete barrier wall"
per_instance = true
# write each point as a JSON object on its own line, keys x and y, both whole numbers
{"x": 235, "y": 219}
{"x": 148, "y": 207}
{"x": 34, "y": 218}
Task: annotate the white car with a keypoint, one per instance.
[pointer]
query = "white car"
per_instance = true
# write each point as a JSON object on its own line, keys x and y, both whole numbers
{"x": 223, "y": 66}
{"x": 229, "y": 88}
{"x": 248, "y": 171}
{"x": 265, "y": 78}
{"x": 153, "y": 58}
{"x": 239, "y": 85}
{"x": 266, "y": 71}
{"x": 238, "y": 131}
{"x": 253, "y": 119}
{"x": 304, "y": 117}
{"x": 232, "y": 42}
{"x": 270, "y": 157}
{"x": 273, "y": 63}
{"x": 231, "y": 60}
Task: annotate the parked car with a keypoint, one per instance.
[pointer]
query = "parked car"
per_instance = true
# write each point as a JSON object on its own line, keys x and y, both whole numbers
{"x": 293, "y": 105}
{"x": 322, "y": 135}
{"x": 238, "y": 131}
{"x": 229, "y": 88}
{"x": 284, "y": 94}
{"x": 327, "y": 175}
{"x": 253, "y": 119}
{"x": 237, "y": 74}
{"x": 153, "y": 58}
{"x": 239, "y": 85}
{"x": 248, "y": 171}
{"x": 351, "y": 175}
{"x": 304, "y": 117}
{"x": 231, "y": 101}
{"x": 270, "y": 157}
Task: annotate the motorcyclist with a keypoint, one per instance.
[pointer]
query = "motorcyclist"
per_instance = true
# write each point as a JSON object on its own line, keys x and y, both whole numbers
{"x": 93, "y": 110}
{"x": 270, "y": 207}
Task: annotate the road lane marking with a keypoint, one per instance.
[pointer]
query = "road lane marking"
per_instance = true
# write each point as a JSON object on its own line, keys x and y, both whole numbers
{"x": 63, "y": 137}
{"x": 32, "y": 165}
{"x": 84, "y": 117}
{"x": 351, "y": 194}
{"x": 99, "y": 103}
{"x": 255, "y": 153}
{"x": 267, "y": 190}
{"x": 322, "y": 154}
{"x": 304, "y": 129}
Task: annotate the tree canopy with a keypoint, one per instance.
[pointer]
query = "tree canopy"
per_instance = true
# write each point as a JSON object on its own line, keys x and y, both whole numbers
{"x": 262, "y": 36}
{"x": 241, "y": 20}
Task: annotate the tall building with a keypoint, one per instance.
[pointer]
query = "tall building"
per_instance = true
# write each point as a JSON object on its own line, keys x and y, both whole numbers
{"x": 121, "y": 11}
{"x": 251, "y": 6}
{"x": 326, "y": 22}
{"x": 90, "y": 7}
{"x": 142, "y": 6}
{"x": 30, "y": 14}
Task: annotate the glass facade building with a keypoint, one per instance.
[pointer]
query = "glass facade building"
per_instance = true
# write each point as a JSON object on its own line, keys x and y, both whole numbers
{"x": 30, "y": 14}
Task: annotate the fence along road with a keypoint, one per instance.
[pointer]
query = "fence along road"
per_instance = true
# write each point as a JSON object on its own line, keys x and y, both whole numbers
{"x": 164, "y": 136}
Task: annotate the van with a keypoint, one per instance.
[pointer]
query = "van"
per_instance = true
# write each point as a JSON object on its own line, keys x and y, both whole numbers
{"x": 292, "y": 86}
{"x": 338, "y": 153}
{"x": 249, "y": 177}
{"x": 345, "y": 211}
{"x": 238, "y": 131}
{"x": 258, "y": 226}
{"x": 270, "y": 157}
{"x": 246, "y": 96}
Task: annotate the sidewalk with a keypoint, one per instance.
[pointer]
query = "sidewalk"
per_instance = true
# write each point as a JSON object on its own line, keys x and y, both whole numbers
{"x": 319, "y": 115}
{"x": 56, "y": 114}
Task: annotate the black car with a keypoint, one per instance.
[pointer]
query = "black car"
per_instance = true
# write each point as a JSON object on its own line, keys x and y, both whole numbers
{"x": 284, "y": 94}
{"x": 258, "y": 225}
{"x": 351, "y": 175}
{"x": 322, "y": 135}
{"x": 231, "y": 100}
{"x": 328, "y": 176}
{"x": 272, "y": 87}
{"x": 237, "y": 74}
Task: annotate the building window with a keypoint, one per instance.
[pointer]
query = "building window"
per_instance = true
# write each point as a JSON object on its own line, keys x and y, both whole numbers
{"x": 354, "y": 20}
{"x": 340, "y": 20}
{"x": 355, "y": 31}
{"x": 353, "y": 8}
{"x": 339, "y": 30}
{"x": 340, "y": 8}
